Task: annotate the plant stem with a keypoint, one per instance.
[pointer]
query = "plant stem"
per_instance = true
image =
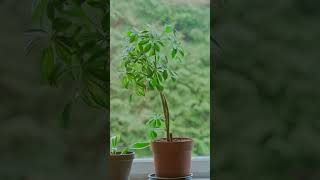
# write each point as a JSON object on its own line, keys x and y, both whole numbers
{"x": 166, "y": 115}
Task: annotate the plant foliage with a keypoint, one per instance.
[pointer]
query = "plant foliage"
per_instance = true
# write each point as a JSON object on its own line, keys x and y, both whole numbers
{"x": 146, "y": 59}
{"x": 76, "y": 34}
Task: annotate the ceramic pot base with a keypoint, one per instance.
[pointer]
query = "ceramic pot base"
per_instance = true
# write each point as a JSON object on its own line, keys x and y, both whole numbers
{"x": 154, "y": 177}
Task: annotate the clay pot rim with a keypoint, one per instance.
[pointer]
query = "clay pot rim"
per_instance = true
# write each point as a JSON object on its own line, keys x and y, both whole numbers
{"x": 122, "y": 157}
{"x": 185, "y": 140}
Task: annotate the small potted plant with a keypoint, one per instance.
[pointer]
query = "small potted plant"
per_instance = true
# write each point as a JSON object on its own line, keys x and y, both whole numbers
{"x": 121, "y": 159}
{"x": 146, "y": 60}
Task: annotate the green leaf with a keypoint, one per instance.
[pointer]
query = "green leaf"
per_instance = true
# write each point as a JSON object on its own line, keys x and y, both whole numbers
{"x": 173, "y": 75}
{"x": 147, "y": 48}
{"x": 97, "y": 91}
{"x": 50, "y": 11}
{"x": 38, "y": 10}
{"x": 125, "y": 81}
{"x": 47, "y": 63}
{"x": 153, "y": 135}
{"x": 154, "y": 82}
{"x": 173, "y": 53}
{"x": 156, "y": 47}
{"x": 161, "y": 43}
{"x": 181, "y": 52}
{"x": 63, "y": 52}
{"x": 140, "y": 91}
{"x": 130, "y": 33}
{"x": 155, "y": 122}
{"x": 152, "y": 52}
{"x": 140, "y": 145}
{"x": 165, "y": 74}
{"x": 125, "y": 151}
{"x": 133, "y": 38}
{"x": 160, "y": 87}
{"x": 115, "y": 141}
{"x": 144, "y": 41}
{"x": 168, "y": 29}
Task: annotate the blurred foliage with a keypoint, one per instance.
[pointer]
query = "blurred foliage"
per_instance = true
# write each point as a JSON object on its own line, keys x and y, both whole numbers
{"x": 76, "y": 34}
{"x": 188, "y": 98}
{"x": 32, "y": 144}
{"x": 267, "y": 90}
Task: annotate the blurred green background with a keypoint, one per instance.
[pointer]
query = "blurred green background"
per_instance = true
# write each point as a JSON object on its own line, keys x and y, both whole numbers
{"x": 189, "y": 97}
{"x": 267, "y": 90}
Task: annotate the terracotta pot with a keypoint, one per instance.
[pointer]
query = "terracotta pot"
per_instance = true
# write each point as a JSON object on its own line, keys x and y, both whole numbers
{"x": 120, "y": 166}
{"x": 172, "y": 159}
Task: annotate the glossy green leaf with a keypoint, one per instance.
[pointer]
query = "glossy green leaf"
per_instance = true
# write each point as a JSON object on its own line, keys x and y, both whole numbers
{"x": 140, "y": 145}
{"x": 153, "y": 135}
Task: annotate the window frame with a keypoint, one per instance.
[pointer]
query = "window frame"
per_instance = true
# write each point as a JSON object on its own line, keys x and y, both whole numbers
{"x": 141, "y": 167}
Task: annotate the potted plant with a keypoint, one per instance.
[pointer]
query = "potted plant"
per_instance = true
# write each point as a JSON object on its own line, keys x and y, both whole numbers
{"x": 121, "y": 159}
{"x": 146, "y": 60}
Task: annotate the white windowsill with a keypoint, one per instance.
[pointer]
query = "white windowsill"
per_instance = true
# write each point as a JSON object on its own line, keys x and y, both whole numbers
{"x": 200, "y": 167}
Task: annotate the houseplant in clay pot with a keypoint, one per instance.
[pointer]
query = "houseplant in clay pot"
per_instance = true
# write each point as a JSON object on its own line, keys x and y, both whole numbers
{"x": 121, "y": 159}
{"x": 147, "y": 61}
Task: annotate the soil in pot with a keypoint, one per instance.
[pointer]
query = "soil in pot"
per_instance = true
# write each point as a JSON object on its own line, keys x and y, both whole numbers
{"x": 172, "y": 159}
{"x": 120, "y": 165}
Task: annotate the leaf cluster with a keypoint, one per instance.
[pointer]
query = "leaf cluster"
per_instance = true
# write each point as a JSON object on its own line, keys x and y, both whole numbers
{"x": 76, "y": 35}
{"x": 147, "y": 57}
{"x": 115, "y": 141}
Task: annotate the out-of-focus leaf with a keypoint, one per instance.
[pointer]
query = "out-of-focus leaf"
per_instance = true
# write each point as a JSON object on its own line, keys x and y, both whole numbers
{"x": 38, "y": 10}
{"x": 168, "y": 29}
{"x": 140, "y": 145}
{"x": 173, "y": 53}
{"x": 47, "y": 63}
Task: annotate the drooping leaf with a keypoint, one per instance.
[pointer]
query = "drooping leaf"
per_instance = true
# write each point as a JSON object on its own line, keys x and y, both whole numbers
{"x": 47, "y": 63}
{"x": 173, "y": 53}
{"x": 125, "y": 81}
{"x": 153, "y": 135}
{"x": 140, "y": 145}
